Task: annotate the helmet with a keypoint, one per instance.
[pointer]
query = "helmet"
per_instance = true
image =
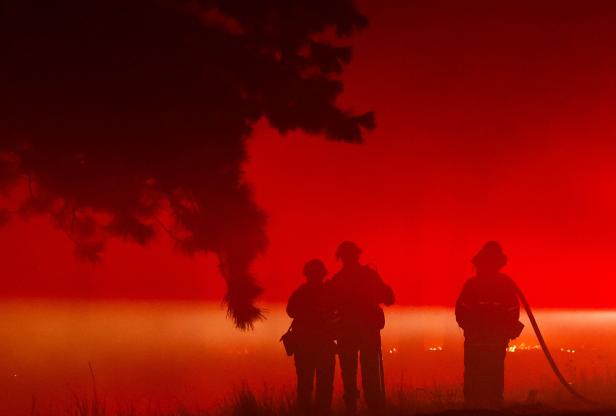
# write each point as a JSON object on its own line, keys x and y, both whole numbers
{"x": 315, "y": 268}
{"x": 490, "y": 256}
{"x": 346, "y": 249}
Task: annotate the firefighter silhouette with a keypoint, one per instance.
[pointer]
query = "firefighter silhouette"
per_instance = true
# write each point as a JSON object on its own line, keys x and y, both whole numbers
{"x": 314, "y": 342}
{"x": 488, "y": 311}
{"x": 356, "y": 292}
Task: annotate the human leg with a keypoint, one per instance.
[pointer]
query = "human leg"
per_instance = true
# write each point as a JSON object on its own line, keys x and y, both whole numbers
{"x": 305, "y": 370}
{"x": 325, "y": 380}
{"x": 371, "y": 373}
{"x": 348, "y": 351}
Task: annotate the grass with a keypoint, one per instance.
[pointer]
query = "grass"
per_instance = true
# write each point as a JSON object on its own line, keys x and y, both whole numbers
{"x": 401, "y": 402}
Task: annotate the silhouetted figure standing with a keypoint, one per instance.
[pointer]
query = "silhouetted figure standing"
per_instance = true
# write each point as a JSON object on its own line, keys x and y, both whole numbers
{"x": 488, "y": 310}
{"x": 357, "y": 292}
{"x": 315, "y": 352}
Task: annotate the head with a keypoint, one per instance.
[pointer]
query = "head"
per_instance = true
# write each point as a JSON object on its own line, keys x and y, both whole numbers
{"x": 315, "y": 271}
{"x": 348, "y": 253}
{"x": 490, "y": 259}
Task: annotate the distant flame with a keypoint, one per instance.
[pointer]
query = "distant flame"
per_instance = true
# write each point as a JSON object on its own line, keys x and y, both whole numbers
{"x": 523, "y": 347}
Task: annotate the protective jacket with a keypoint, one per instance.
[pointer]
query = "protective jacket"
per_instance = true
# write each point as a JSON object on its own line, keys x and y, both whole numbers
{"x": 311, "y": 315}
{"x": 356, "y": 294}
{"x": 488, "y": 310}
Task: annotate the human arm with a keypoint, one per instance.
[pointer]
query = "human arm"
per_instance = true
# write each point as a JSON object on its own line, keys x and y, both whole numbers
{"x": 383, "y": 293}
{"x": 464, "y": 307}
{"x": 293, "y": 305}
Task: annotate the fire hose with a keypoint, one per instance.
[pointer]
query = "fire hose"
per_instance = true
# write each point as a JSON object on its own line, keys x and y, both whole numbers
{"x": 546, "y": 351}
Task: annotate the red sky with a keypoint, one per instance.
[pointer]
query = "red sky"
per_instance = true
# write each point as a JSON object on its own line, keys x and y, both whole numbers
{"x": 495, "y": 121}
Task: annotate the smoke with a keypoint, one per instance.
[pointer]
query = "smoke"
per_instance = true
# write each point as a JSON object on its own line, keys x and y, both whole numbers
{"x": 130, "y": 118}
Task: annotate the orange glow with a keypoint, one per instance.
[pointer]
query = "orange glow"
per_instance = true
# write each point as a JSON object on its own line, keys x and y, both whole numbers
{"x": 170, "y": 353}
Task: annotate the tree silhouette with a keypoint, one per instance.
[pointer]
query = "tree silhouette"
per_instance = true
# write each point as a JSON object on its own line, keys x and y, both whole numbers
{"x": 126, "y": 118}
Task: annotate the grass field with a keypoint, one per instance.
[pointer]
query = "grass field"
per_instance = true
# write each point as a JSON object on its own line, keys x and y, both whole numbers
{"x": 187, "y": 360}
{"x": 244, "y": 402}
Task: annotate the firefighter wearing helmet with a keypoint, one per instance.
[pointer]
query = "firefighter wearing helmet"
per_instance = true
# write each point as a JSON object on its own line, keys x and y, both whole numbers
{"x": 488, "y": 311}
{"x": 357, "y": 291}
{"x": 314, "y": 350}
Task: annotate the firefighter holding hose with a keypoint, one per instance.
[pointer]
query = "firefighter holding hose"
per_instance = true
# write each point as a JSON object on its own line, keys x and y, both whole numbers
{"x": 488, "y": 311}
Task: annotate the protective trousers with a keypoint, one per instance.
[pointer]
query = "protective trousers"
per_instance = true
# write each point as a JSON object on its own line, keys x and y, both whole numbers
{"x": 484, "y": 374}
{"x": 311, "y": 361}
{"x": 363, "y": 346}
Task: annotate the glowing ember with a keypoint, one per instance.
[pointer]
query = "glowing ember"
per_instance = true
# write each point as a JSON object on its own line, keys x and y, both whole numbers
{"x": 523, "y": 347}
